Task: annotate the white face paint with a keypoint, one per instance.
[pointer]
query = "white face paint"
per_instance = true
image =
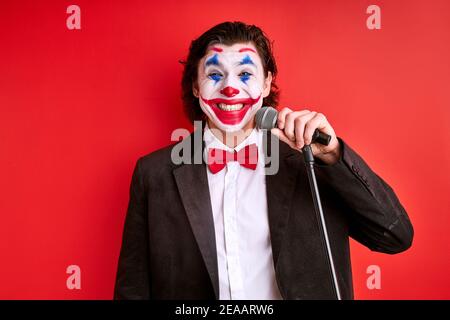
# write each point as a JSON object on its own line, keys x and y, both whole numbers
{"x": 231, "y": 85}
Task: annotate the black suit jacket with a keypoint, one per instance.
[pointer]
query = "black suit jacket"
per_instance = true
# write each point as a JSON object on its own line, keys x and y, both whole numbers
{"x": 168, "y": 248}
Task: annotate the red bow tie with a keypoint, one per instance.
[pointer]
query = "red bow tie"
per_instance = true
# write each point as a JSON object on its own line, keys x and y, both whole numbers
{"x": 247, "y": 157}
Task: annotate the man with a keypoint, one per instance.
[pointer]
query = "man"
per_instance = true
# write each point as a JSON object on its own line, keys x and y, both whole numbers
{"x": 227, "y": 230}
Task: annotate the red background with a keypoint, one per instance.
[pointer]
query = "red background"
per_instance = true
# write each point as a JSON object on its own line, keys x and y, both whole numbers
{"x": 78, "y": 107}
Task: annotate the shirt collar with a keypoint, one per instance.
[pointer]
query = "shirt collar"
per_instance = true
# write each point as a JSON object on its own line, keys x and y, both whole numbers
{"x": 256, "y": 136}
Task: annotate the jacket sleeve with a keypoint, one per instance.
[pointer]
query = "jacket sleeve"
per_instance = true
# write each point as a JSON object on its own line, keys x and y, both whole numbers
{"x": 132, "y": 279}
{"x": 376, "y": 217}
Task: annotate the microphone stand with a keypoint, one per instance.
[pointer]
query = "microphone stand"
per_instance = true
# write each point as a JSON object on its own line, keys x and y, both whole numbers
{"x": 309, "y": 161}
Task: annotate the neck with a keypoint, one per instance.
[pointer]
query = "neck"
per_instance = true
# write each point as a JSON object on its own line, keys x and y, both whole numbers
{"x": 232, "y": 139}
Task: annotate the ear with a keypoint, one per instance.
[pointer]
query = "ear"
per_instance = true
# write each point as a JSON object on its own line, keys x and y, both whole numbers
{"x": 267, "y": 84}
{"x": 195, "y": 90}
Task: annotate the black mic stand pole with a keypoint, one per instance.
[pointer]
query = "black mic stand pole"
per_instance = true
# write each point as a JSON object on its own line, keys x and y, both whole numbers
{"x": 309, "y": 161}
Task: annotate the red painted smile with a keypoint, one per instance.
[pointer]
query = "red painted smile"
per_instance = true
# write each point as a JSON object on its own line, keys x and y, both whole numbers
{"x": 231, "y": 111}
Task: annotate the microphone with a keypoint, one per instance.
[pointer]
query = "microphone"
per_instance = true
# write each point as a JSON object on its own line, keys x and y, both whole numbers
{"x": 266, "y": 118}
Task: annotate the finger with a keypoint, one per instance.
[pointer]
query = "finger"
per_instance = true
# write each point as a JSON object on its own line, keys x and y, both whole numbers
{"x": 319, "y": 121}
{"x": 281, "y": 122}
{"x": 282, "y": 116}
{"x": 289, "y": 126}
{"x": 280, "y": 134}
{"x": 300, "y": 123}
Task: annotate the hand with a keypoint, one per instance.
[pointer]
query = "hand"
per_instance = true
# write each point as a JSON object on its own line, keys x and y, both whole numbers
{"x": 296, "y": 128}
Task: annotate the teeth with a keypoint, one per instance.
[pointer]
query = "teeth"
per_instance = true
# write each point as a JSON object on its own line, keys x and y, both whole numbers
{"x": 230, "y": 107}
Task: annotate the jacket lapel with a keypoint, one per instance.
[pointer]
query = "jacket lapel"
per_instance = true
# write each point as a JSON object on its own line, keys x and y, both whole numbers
{"x": 192, "y": 183}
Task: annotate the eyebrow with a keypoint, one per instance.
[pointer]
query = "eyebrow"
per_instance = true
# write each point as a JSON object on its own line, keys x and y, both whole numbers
{"x": 246, "y": 60}
{"x": 212, "y": 61}
{"x": 247, "y": 49}
{"x": 216, "y": 49}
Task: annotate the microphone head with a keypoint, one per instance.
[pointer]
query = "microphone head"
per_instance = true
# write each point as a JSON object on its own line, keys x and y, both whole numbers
{"x": 266, "y": 118}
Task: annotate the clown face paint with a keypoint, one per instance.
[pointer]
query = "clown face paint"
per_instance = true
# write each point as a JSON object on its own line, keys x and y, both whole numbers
{"x": 231, "y": 85}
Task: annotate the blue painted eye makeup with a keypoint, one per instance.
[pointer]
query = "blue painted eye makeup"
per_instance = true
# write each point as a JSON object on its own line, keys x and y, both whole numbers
{"x": 215, "y": 76}
{"x": 246, "y": 60}
{"x": 214, "y": 60}
{"x": 245, "y": 76}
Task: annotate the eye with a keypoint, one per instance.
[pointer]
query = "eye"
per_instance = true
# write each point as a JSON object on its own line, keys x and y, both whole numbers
{"x": 215, "y": 76}
{"x": 245, "y": 74}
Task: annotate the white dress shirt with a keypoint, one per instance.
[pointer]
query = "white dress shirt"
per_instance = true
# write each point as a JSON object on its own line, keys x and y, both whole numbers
{"x": 239, "y": 205}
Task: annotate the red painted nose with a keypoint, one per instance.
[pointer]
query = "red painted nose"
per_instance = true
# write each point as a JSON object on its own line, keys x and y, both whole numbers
{"x": 229, "y": 91}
